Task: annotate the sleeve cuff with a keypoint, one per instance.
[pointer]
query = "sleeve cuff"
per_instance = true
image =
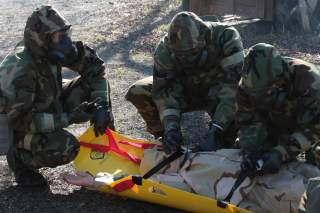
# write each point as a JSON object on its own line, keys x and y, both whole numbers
{"x": 302, "y": 140}
{"x": 233, "y": 59}
{"x": 170, "y": 112}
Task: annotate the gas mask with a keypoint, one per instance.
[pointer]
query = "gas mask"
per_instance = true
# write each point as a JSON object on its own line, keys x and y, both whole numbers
{"x": 61, "y": 50}
{"x": 191, "y": 58}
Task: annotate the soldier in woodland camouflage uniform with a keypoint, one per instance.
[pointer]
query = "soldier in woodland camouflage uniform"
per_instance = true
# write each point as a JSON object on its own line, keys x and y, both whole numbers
{"x": 278, "y": 107}
{"x": 310, "y": 201}
{"x": 39, "y": 106}
{"x": 196, "y": 67}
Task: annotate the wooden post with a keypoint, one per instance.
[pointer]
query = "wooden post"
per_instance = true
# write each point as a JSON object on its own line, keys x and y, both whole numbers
{"x": 268, "y": 12}
{"x": 195, "y": 6}
{"x": 248, "y": 8}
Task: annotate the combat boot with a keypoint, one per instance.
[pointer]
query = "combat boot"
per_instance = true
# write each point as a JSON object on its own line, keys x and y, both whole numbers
{"x": 24, "y": 176}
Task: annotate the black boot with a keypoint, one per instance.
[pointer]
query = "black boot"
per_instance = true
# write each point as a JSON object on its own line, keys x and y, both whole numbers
{"x": 24, "y": 176}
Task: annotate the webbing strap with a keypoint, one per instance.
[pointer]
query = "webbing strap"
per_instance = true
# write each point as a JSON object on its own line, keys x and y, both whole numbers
{"x": 115, "y": 148}
{"x": 247, "y": 170}
{"x": 139, "y": 145}
{"x": 242, "y": 176}
{"x": 123, "y": 185}
{"x": 163, "y": 163}
{"x": 137, "y": 180}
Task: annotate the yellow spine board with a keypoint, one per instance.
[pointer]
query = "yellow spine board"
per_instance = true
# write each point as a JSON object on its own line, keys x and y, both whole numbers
{"x": 94, "y": 162}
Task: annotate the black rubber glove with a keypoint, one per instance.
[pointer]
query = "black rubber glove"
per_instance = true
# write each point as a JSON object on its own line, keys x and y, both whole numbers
{"x": 172, "y": 140}
{"x": 272, "y": 161}
{"x": 80, "y": 114}
{"x": 100, "y": 120}
{"x": 212, "y": 140}
{"x": 313, "y": 155}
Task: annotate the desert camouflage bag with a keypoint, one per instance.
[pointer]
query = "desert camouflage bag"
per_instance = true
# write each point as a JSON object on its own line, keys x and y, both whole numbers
{"x": 212, "y": 174}
{"x": 280, "y": 192}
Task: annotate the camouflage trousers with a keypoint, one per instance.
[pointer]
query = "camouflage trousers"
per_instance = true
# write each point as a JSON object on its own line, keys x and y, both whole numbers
{"x": 139, "y": 94}
{"x": 36, "y": 150}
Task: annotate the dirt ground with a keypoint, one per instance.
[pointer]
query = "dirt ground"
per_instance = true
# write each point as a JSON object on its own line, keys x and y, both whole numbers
{"x": 124, "y": 33}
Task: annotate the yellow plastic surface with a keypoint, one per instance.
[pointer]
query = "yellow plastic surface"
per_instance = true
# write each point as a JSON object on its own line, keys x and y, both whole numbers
{"x": 150, "y": 191}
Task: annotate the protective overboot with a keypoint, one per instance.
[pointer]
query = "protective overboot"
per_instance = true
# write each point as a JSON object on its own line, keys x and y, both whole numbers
{"x": 24, "y": 176}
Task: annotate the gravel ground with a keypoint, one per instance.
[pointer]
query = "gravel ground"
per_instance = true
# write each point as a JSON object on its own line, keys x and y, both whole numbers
{"x": 124, "y": 33}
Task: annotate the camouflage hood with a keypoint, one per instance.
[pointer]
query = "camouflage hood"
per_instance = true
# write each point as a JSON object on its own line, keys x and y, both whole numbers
{"x": 40, "y": 25}
{"x": 187, "y": 31}
{"x": 262, "y": 68}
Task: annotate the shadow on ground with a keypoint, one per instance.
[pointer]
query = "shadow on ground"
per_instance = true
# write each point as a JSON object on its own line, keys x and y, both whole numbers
{"x": 124, "y": 45}
{"x": 79, "y": 201}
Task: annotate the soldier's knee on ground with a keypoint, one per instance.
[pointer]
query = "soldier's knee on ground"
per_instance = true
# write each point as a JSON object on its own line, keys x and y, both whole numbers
{"x": 50, "y": 149}
{"x": 130, "y": 93}
{"x": 140, "y": 88}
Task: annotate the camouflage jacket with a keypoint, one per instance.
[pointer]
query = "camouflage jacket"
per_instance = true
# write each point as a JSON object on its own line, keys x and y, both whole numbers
{"x": 31, "y": 88}
{"x": 292, "y": 125}
{"x": 211, "y": 84}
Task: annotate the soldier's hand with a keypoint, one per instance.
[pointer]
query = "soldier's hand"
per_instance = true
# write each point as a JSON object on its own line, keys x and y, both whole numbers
{"x": 172, "y": 140}
{"x": 100, "y": 120}
{"x": 212, "y": 140}
{"x": 79, "y": 114}
{"x": 272, "y": 161}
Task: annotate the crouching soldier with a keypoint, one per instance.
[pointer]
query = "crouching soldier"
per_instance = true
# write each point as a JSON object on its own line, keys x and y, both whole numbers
{"x": 310, "y": 201}
{"x": 278, "y": 108}
{"x": 196, "y": 67}
{"x": 39, "y": 106}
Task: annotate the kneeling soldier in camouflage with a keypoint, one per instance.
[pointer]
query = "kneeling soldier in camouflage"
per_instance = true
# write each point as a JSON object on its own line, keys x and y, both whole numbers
{"x": 39, "y": 105}
{"x": 278, "y": 108}
{"x": 196, "y": 67}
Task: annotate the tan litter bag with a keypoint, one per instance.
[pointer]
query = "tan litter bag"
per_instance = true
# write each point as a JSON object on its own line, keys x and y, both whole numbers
{"x": 280, "y": 192}
{"x": 213, "y": 174}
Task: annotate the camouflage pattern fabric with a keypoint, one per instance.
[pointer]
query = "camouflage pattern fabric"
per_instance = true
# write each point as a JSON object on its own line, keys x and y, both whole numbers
{"x": 278, "y": 103}
{"x": 140, "y": 96}
{"x": 280, "y": 192}
{"x": 310, "y": 201}
{"x": 185, "y": 34}
{"x": 52, "y": 149}
{"x": 208, "y": 82}
{"x": 212, "y": 174}
{"x": 32, "y": 94}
